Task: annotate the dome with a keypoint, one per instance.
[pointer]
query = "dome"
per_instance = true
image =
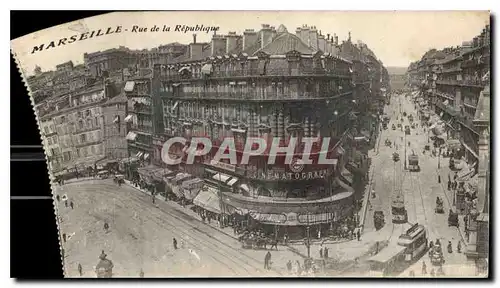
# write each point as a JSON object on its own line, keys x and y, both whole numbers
{"x": 282, "y": 29}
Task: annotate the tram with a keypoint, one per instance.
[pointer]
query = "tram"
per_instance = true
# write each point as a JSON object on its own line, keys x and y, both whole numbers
{"x": 415, "y": 242}
{"x": 399, "y": 213}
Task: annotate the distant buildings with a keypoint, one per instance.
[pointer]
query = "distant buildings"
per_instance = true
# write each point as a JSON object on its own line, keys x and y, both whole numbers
{"x": 456, "y": 83}
{"x": 452, "y": 80}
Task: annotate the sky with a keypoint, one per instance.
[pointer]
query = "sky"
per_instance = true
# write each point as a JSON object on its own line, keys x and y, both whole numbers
{"x": 396, "y": 37}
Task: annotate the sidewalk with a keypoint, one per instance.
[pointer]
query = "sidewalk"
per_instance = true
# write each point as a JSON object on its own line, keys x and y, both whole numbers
{"x": 444, "y": 171}
{"x": 341, "y": 251}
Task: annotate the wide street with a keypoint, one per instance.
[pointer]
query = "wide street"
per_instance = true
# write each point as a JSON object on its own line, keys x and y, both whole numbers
{"x": 140, "y": 236}
{"x": 419, "y": 189}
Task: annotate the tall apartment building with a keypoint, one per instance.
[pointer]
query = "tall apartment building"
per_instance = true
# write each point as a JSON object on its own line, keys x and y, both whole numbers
{"x": 78, "y": 122}
{"x": 267, "y": 83}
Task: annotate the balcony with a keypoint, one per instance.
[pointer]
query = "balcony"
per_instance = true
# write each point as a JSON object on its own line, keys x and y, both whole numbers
{"x": 470, "y": 103}
{"x": 253, "y": 96}
{"x": 252, "y": 73}
{"x": 142, "y": 128}
{"x": 469, "y": 82}
{"x": 445, "y": 95}
{"x": 142, "y": 109}
{"x": 451, "y": 70}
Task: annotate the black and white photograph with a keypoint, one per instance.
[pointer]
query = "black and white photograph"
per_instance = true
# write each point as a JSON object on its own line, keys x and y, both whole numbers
{"x": 266, "y": 144}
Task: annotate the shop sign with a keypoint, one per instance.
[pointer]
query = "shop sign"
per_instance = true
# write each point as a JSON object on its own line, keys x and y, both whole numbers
{"x": 274, "y": 175}
{"x": 315, "y": 218}
{"x": 222, "y": 165}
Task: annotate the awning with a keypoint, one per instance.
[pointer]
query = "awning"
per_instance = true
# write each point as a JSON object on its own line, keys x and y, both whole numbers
{"x": 117, "y": 119}
{"x": 192, "y": 188}
{"x": 221, "y": 177}
{"x": 347, "y": 175}
{"x": 176, "y": 84}
{"x": 208, "y": 199}
{"x": 245, "y": 187}
{"x": 175, "y": 105}
{"x": 470, "y": 150}
{"x": 184, "y": 68}
{"x": 139, "y": 154}
{"x": 146, "y": 156}
{"x": 128, "y": 118}
{"x": 206, "y": 69}
{"x": 131, "y": 136}
{"x": 232, "y": 181}
{"x": 129, "y": 86}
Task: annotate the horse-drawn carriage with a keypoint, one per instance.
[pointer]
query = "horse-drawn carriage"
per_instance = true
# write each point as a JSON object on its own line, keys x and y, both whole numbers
{"x": 436, "y": 255}
{"x": 378, "y": 219}
{"x": 254, "y": 241}
{"x": 453, "y": 218}
{"x": 439, "y": 206}
{"x": 119, "y": 179}
{"x": 395, "y": 156}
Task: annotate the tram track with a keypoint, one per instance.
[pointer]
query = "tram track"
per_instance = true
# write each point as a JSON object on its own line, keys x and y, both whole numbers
{"x": 208, "y": 245}
{"x": 213, "y": 245}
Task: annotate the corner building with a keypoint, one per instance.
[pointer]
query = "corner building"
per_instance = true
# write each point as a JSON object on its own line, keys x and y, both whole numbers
{"x": 265, "y": 84}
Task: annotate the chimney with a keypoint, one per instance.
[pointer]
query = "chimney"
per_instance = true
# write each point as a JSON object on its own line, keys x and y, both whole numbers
{"x": 322, "y": 43}
{"x": 231, "y": 41}
{"x": 194, "y": 38}
{"x": 298, "y": 31}
{"x": 349, "y": 39}
{"x": 218, "y": 45}
{"x": 313, "y": 38}
{"x": 250, "y": 37}
{"x": 304, "y": 34}
{"x": 266, "y": 35}
{"x": 274, "y": 32}
{"x": 336, "y": 39}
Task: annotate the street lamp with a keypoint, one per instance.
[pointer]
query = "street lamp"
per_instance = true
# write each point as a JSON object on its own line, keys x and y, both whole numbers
{"x": 405, "y": 149}
{"x": 308, "y": 240}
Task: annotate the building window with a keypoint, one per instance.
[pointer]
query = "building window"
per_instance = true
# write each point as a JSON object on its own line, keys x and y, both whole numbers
{"x": 80, "y": 124}
{"x": 46, "y": 129}
{"x": 83, "y": 138}
{"x": 54, "y": 139}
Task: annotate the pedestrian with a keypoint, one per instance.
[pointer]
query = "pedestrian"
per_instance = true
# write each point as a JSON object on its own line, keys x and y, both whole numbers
{"x": 64, "y": 237}
{"x": 459, "y": 247}
{"x": 175, "y": 243}
{"x": 359, "y": 235}
{"x": 449, "y": 184}
{"x": 321, "y": 252}
{"x": 424, "y": 268}
{"x": 325, "y": 253}
{"x": 141, "y": 274}
{"x": 285, "y": 238}
{"x": 71, "y": 205}
{"x": 80, "y": 270}
{"x": 299, "y": 268}
{"x": 319, "y": 233}
{"x": 153, "y": 196}
{"x": 106, "y": 227}
{"x": 66, "y": 203}
{"x": 267, "y": 258}
{"x": 289, "y": 266}
{"x": 455, "y": 176}
{"x": 439, "y": 178}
